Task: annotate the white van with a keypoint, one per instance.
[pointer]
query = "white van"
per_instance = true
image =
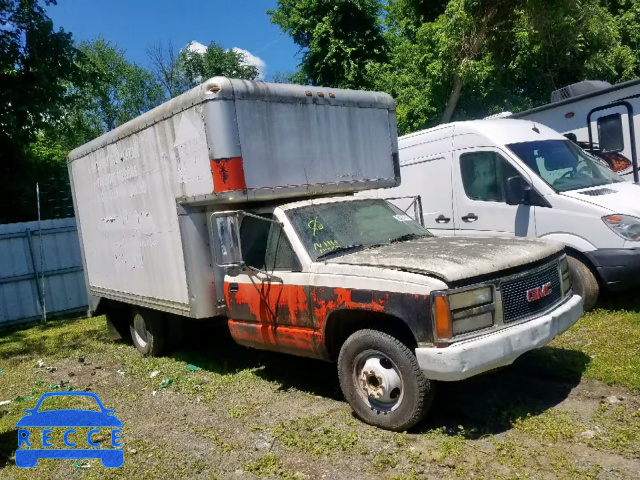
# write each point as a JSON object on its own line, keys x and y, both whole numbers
{"x": 514, "y": 177}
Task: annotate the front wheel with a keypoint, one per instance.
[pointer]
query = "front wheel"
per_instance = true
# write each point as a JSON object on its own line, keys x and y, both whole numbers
{"x": 584, "y": 282}
{"x": 382, "y": 381}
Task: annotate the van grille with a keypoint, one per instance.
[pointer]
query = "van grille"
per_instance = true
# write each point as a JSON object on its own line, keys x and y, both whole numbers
{"x": 515, "y": 298}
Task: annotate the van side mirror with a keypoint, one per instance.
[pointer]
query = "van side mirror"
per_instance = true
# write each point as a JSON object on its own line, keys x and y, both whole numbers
{"x": 225, "y": 235}
{"x": 518, "y": 192}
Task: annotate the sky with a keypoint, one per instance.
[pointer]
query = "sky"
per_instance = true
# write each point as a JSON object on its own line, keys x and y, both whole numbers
{"x": 135, "y": 24}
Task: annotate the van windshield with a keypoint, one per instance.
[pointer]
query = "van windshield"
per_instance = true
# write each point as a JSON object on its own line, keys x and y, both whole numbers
{"x": 332, "y": 229}
{"x": 564, "y": 165}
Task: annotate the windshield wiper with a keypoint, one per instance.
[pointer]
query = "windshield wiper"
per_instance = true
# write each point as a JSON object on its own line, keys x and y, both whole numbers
{"x": 347, "y": 248}
{"x": 405, "y": 237}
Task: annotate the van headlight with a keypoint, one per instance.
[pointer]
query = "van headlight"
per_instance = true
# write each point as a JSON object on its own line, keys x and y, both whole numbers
{"x": 463, "y": 312}
{"x": 626, "y": 226}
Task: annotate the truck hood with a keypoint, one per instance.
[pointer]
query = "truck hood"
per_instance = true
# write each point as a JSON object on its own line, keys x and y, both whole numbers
{"x": 623, "y": 197}
{"x": 453, "y": 258}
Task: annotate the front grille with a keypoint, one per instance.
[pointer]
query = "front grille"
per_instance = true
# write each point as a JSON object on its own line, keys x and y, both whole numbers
{"x": 515, "y": 298}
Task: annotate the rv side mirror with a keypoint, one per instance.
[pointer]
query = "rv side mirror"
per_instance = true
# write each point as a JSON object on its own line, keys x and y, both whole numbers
{"x": 227, "y": 249}
{"x": 517, "y": 191}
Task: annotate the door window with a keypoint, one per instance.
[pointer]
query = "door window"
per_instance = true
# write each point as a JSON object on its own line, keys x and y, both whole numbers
{"x": 254, "y": 234}
{"x": 279, "y": 251}
{"x": 265, "y": 245}
{"x": 484, "y": 175}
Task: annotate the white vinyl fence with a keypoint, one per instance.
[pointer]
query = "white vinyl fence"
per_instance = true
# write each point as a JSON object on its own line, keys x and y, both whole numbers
{"x": 40, "y": 268}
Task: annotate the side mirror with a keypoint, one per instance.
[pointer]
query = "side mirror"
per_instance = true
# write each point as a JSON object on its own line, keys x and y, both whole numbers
{"x": 517, "y": 191}
{"x": 225, "y": 234}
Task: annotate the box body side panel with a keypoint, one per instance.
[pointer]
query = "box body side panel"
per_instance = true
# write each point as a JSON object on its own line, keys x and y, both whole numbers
{"x": 125, "y": 201}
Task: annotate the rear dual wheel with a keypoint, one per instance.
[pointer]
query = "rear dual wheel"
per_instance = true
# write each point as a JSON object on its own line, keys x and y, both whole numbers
{"x": 382, "y": 381}
{"x": 147, "y": 331}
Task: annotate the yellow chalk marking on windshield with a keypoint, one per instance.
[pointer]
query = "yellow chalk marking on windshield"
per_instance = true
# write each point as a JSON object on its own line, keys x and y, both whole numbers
{"x": 315, "y": 225}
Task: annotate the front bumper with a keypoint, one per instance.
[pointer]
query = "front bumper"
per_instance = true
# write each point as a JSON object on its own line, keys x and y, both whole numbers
{"x": 618, "y": 268}
{"x": 471, "y": 357}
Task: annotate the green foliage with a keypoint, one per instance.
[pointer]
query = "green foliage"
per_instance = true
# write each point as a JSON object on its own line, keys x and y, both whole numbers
{"x": 339, "y": 39}
{"x": 462, "y": 59}
{"x": 197, "y": 67}
{"x": 36, "y": 64}
{"x": 121, "y": 91}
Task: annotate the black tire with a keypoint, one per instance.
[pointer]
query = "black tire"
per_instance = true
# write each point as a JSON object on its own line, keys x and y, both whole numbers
{"x": 147, "y": 331}
{"x": 416, "y": 393}
{"x": 584, "y": 282}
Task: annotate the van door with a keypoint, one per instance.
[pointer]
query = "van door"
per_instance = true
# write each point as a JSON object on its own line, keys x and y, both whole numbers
{"x": 268, "y": 303}
{"x": 480, "y": 201}
{"x": 431, "y": 180}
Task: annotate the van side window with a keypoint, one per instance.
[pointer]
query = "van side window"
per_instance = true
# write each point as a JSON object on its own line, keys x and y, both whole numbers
{"x": 279, "y": 251}
{"x": 484, "y": 175}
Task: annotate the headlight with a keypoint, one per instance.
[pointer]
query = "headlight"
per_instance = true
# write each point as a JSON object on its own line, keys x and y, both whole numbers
{"x": 626, "y": 226}
{"x": 463, "y": 312}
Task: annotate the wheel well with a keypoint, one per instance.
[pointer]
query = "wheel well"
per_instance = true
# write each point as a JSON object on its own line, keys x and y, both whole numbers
{"x": 578, "y": 255}
{"x": 343, "y": 323}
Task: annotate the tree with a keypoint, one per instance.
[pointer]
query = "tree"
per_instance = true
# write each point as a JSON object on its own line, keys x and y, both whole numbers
{"x": 339, "y": 39}
{"x": 166, "y": 67}
{"x": 123, "y": 90}
{"x": 215, "y": 60}
{"x": 480, "y": 57}
{"x": 37, "y": 62}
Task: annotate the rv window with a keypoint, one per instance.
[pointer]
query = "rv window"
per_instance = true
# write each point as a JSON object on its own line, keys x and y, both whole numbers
{"x": 484, "y": 175}
{"x": 610, "y": 135}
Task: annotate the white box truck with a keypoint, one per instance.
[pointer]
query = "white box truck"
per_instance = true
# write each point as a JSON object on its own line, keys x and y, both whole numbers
{"x": 505, "y": 177}
{"x": 234, "y": 201}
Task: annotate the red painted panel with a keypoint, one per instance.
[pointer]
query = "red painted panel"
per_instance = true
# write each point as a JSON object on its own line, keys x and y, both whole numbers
{"x": 228, "y": 174}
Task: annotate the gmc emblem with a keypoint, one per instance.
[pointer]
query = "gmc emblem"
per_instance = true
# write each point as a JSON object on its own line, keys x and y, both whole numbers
{"x": 538, "y": 293}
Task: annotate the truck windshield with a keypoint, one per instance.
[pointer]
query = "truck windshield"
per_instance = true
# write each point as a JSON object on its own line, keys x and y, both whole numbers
{"x": 332, "y": 229}
{"x": 564, "y": 165}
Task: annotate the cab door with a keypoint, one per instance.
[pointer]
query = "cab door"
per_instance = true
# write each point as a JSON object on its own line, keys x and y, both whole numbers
{"x": 480, "y": 195}
{"x": 267, "y": 303}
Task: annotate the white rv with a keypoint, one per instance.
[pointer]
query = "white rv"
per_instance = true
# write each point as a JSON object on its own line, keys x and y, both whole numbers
{"x": 602, "y": 118}
{"x": 505, "y": 177}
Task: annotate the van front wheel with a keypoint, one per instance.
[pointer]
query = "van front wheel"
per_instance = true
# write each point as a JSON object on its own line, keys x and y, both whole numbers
{"x": 584, "y": 282}
{"x": 382, "y": 381}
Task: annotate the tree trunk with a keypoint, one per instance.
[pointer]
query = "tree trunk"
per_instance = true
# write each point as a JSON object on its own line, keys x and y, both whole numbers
{"x": 452, "y": 103}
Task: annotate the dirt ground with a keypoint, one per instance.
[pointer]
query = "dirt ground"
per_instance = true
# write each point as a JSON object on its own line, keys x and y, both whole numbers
{"x": 245, "y": 414}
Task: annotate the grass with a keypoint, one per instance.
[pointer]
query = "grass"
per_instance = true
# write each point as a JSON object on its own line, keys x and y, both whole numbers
{"x": 504, "y": 426}
{"x": 317, "y": 437}
{"x": 611, "y": 339}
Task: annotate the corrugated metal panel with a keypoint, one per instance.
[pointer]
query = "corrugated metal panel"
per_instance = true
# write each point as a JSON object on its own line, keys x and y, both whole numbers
{"x": 22, "y": 266}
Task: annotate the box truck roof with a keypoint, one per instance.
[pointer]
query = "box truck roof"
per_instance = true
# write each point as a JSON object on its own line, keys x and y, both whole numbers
{"x": 248, "y": 140}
